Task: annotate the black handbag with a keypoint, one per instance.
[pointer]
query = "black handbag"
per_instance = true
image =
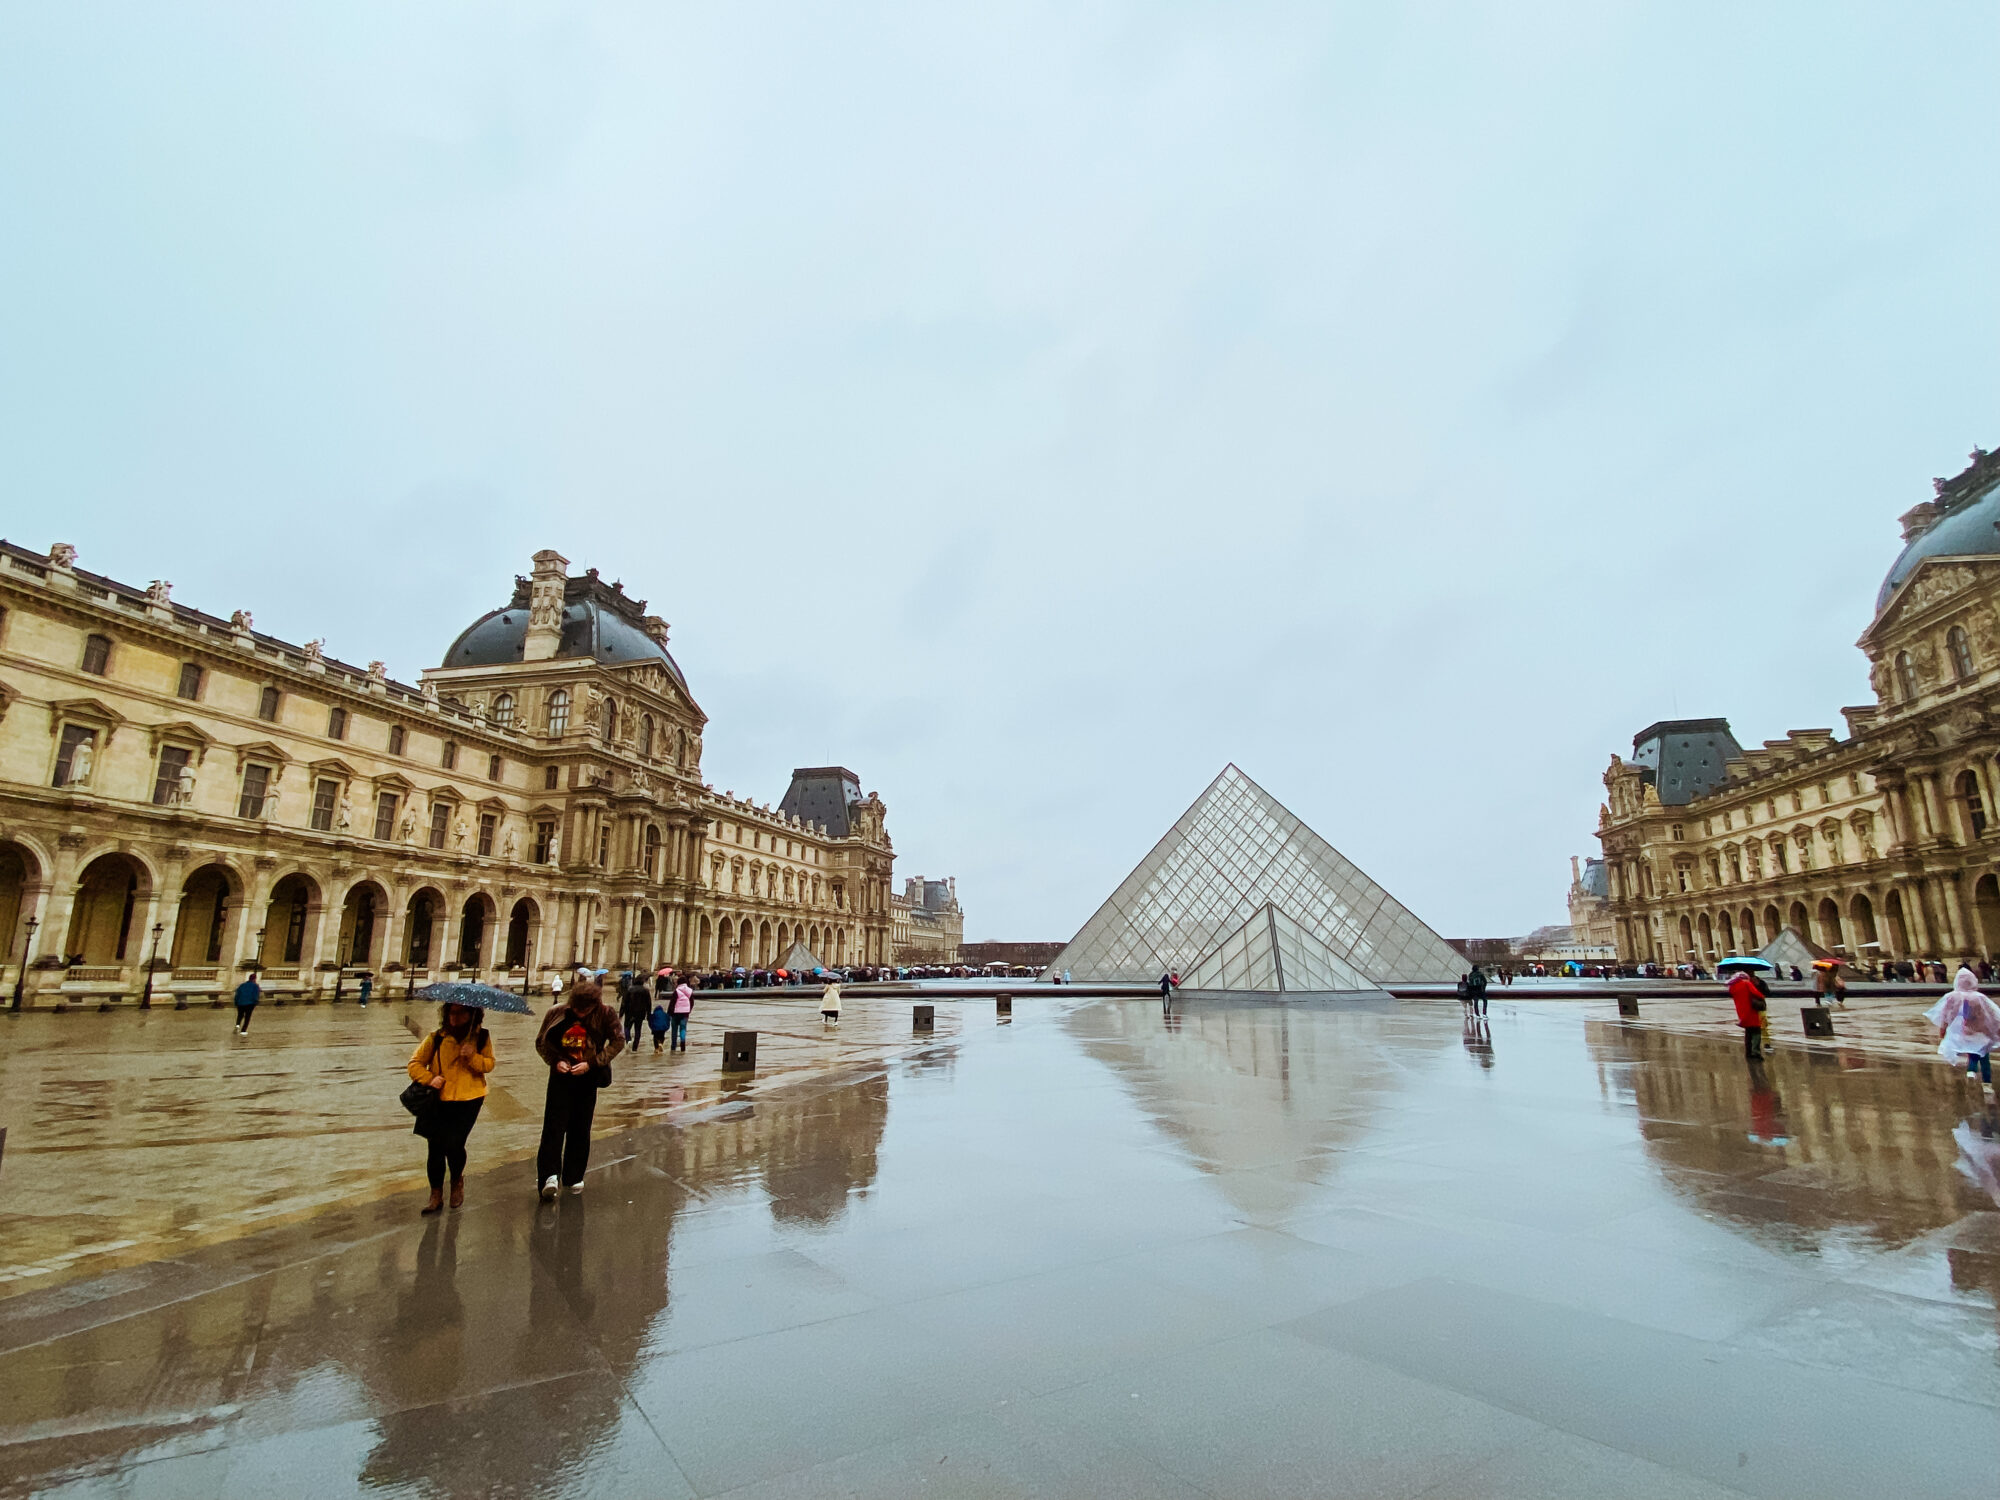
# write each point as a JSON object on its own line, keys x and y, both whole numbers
{"x": 420, "y": 1099}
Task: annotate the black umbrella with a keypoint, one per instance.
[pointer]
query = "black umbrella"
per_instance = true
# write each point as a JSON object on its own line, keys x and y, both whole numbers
{"x": 478, "y": 996}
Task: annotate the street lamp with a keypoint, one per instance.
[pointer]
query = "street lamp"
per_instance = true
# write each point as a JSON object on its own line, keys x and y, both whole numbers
{"x": 146, "y": 996}
{"x": 21, "y": 975}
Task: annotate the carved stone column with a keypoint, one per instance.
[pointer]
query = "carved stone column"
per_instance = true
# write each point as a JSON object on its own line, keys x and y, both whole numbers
{"x": 256, "y": 908}
{"x": 1957, "y": 940}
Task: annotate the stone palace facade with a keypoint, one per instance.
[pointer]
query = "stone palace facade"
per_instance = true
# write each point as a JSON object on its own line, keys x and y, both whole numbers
{"x": 1881, "y": 845}
{"x": 183, "y": 795}
{"x": 925, "y": 924}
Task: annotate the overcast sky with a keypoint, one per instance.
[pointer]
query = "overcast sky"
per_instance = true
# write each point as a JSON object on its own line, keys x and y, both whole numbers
{"x": 1035, "y": 407}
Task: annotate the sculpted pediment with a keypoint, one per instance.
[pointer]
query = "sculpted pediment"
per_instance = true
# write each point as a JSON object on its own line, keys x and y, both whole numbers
{"x": 1938, "y": 581}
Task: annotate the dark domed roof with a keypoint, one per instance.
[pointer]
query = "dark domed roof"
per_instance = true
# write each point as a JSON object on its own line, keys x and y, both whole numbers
{"x": 593, "y": 626}
{"x": 1968, "y": 525}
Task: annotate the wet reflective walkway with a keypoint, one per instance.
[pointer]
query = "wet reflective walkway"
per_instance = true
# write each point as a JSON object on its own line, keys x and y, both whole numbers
{"x": 1253, "y": 1251}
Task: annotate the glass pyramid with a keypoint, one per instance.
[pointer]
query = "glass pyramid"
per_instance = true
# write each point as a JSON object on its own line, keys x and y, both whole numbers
{"x": 1240, "y": 895}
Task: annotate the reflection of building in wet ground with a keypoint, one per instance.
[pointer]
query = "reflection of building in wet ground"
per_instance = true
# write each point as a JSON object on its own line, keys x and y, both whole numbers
{"x": 1808, "y": 1145}
{"x": 387, "y": 1327}
{"x": 1256, "y": 1086}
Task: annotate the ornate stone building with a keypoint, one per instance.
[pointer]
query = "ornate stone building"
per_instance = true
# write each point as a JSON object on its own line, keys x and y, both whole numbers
{"x": 1881, "y": 845}
{"x": 925, "y": 923}
{"x": 176, "y": 783}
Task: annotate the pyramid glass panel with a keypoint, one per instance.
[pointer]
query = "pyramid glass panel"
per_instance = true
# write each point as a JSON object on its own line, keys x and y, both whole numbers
{"x": 1241, "y": 895}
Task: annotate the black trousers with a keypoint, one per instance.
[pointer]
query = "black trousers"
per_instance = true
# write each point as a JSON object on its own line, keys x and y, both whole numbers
{"x": 566, "y": 1116}
{"x": 243, "y": 1015}
{"x": 450, "y": 1122}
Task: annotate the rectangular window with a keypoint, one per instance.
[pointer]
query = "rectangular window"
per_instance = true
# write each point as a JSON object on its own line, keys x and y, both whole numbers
{"x": 450, "y": 756}
{"x": 74, "y": 737}
{"x": 487, "y": 823}
{"x": 167, "y": 780}
{"x": 326, "y": 796}
{"x": 604, "y": 845}
{"x": 395, "y": 739}
{"x": 440, "y": 823}
{"x": 492, "y": 768}
{"x": 551, "y": 778}
{"x": 545, "y": 835}
{"x": 190, "y": 686}
{"x": 385, "y": 816}
{"x": 256, "y": 788}
{"x": 336, "y": 724}
{"x": 267, "y": 705}
{"x": 96, "y": 654}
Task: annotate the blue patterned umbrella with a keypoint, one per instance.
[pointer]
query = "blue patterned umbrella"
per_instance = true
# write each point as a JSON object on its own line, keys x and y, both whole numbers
{"x": 480, "y": 996}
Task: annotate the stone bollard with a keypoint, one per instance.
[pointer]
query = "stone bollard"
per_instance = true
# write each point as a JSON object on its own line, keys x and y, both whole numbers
{"x": 1628, "y": 1005}
{"x": 739, "y": 1051}
{"x": 1818, "y": 1019}
{"x": 1003, "y": 1005}
{"x": 923, "y": 1017}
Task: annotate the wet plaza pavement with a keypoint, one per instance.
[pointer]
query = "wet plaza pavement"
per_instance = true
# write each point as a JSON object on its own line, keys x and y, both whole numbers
{"x": 1348, "y": 1249}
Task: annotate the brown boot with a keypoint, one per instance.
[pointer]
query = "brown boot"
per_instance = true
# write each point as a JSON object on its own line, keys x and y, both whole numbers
{"x": 458, "y": 1192}
{"x": 436, "y": 1205}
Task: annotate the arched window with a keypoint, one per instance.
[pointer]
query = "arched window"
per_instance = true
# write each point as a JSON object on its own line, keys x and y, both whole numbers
{"x": 1961, "y": 652}
{"x": 1906, "y": 677}
{"x": 652, "y": 853}
{"x": 558, "y": 713}
{"x": 681, "y": 755}
{"x": 1975, "y": 805}
{"x": 610, "y": 720}
{"x": 646, "y": 736}
{"x": 503, "y": 710}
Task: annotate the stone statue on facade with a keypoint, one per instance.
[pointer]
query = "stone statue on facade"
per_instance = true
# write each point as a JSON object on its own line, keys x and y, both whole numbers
{"x": 159, "y": 593}
{"x": 458, "y": 834}
{"x": 184, "y": 787}
{"x": 378, "y": 671}
{"x": 1880, "y": 678}
{"x": 508, "y": 846}
{"x": 408, "y": 830}
{"x": 555, "y": 848}
{"x": 315, "y": 652}
{"x": 62, "y": 555}
{"x": 82, "y": 760}
{"x": 343, "y": 818}
{"x": 240, "y": 620}
{"x": 430, "y": 694}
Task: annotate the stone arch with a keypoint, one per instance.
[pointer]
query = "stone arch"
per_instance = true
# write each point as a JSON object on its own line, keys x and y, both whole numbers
{"x": 1899, "y": 930}
{"x": 1772, "y": 923}
{"x": 364, "y": 917}
{"x": 291, "y": 922}
{"x": 764, "y": 958}
{"x": 649, "y": 938}
{"x": 1798, "y": 920}
{"x": 423, "y": 924}
{"x": 209, "y": 916}
{"x": 1986, "y": 914}
{"x": 610, "y": 725}
{"x": 475, "y": 923}
{"x": 1726, "y": 931}
{"x": 1830, "y": 935}
{"x": 1707, "y": 932}
{"x": 725, "y": 944}
{"x": 1746, "y": 931}
{"x": 646, "y": 735}
{"x": 523, "y": 928}
{"x": 704, "y": 956}
{"x": 22, "y": 880}
{"x": 105, "y": 919}
{"x": 1861, "y": 924}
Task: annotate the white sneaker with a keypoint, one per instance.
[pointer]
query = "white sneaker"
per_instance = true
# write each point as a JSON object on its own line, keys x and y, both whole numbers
{"x": 576, "y": 1190}
{"x": 550, "y": 1189}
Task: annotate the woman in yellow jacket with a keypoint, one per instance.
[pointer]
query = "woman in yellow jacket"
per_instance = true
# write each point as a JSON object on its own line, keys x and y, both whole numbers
{"x": 454, "y": 1060}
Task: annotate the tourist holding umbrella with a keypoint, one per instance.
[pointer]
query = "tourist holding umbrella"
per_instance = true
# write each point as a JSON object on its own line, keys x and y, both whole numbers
{"x": 452, "y": 1062}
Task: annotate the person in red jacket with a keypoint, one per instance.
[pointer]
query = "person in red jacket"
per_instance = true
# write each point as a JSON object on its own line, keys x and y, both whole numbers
{"x": 1753, "y": 1013}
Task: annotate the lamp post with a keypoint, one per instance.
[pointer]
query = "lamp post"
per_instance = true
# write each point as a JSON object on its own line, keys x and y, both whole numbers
{"x": 146, "y": 995}
{"x": 21, "y": 975}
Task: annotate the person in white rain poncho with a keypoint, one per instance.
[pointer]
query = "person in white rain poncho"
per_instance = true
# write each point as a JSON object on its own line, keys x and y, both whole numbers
{"x": 1970, "y": 1026}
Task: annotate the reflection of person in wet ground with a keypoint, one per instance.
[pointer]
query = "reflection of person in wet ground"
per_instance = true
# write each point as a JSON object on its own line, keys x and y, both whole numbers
{"x": 1767, "y": 1109}
{"x": 454, "y": 1061}
{"x": 1968, "y": 1026}
{"x": 1479, "y": 1038}
{"x": 1978, "y": 1141}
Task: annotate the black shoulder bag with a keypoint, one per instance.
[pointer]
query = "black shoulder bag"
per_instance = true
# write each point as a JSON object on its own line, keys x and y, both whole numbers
{"x": 420, "y": 1099}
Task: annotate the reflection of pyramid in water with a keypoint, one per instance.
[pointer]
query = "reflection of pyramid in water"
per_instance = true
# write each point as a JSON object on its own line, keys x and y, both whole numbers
{"x": 1240, "y": 895}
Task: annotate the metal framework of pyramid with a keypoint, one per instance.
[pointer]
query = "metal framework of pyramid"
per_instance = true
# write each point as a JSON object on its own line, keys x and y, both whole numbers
{"x": 800, "y": 960}
{"x": 1240, "y": 895}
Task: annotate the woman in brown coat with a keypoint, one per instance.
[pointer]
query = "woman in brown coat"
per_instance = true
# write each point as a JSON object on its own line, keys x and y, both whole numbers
{"x": 578, "y": 1039}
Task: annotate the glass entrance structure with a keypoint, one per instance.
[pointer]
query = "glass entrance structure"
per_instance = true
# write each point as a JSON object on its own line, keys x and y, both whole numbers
{"x": 1240, "y": 895}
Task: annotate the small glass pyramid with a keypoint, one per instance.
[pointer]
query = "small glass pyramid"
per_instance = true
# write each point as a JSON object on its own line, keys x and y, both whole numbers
{"x": 1240, "y": 895}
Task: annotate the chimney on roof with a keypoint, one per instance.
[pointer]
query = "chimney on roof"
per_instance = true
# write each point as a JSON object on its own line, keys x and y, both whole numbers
{"x": 545, "y": 606}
